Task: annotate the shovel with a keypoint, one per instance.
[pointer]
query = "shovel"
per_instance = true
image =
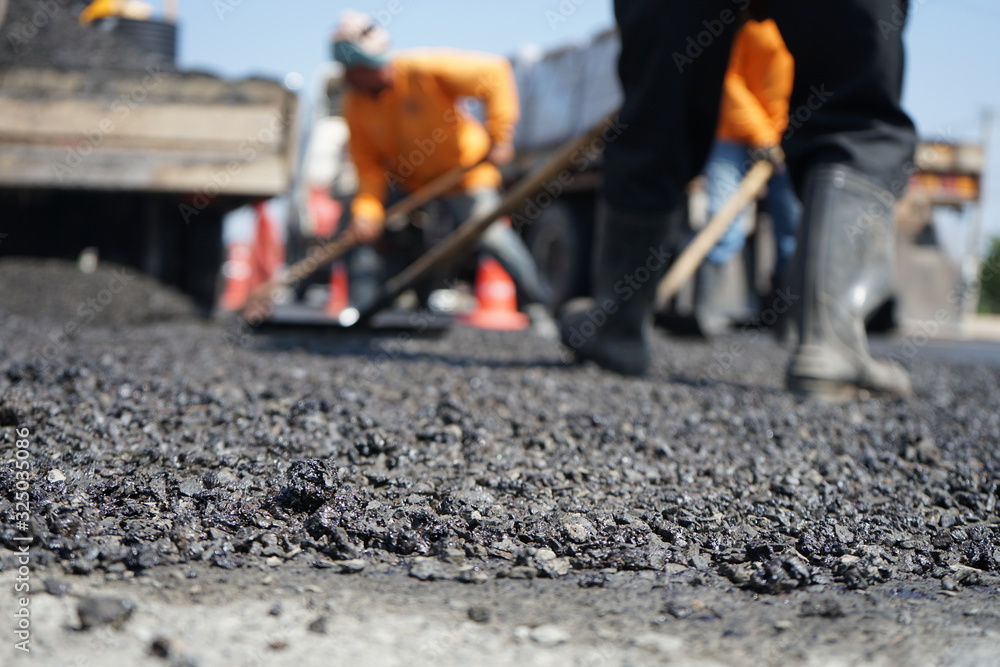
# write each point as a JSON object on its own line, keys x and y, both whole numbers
{"x": 694, "y": 254}
{"x": 259, "y": 301}
{"x": 462, "y": 241}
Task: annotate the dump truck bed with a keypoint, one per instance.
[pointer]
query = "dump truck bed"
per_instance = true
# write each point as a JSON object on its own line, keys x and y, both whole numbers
{"x": 152, "y": 131}
{"x": 140, "y": 164}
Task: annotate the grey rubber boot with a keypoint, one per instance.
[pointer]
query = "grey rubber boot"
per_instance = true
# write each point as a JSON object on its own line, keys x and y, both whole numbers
{"x": 707, "y": 283}
{"x": 502, "y": 243}
{"x": 842, "y": 271}
{"x": 612, "y": 329}
{"x": 507, "y": 247}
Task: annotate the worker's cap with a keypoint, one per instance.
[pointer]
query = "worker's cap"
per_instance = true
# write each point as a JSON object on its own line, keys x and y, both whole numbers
{"x": 359, "y": 41}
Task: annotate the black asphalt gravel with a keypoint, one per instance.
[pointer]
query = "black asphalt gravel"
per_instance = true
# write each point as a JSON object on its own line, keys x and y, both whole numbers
{"x": 478, "y": 455}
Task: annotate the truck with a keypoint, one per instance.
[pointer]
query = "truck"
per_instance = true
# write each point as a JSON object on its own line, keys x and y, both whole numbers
{"x": 563, "y": 93}
{"x": 106, "y": 145}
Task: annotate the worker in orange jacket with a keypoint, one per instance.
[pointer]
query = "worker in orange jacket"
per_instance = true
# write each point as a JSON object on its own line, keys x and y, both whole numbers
{"x": 752, "y": 118}
{"x": 407, "y": 128}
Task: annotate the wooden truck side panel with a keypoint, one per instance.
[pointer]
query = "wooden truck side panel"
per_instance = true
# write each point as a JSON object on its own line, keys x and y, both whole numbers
{"x": 154, "y": 132}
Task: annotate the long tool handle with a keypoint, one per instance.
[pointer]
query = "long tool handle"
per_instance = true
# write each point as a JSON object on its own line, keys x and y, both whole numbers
{"x": 703, "y": 242}
{"x": 334, "y": 248}
{"x": 440, "y": 185}
{"x": 463, "y": 239}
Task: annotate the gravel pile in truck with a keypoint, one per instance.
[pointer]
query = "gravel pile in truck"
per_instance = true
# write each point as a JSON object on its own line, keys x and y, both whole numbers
{"x": 49, "y": 34}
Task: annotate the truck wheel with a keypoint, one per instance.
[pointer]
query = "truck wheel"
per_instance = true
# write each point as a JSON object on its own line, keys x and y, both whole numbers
{"x": 202, "y": 252}
{"x": 560, "y": 245}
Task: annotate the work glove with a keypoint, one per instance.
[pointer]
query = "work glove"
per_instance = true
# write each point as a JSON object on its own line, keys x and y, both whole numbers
{"x": 365, "y": 230}
{"x": 772, "y": 154}
{"x": 501, "y": 154}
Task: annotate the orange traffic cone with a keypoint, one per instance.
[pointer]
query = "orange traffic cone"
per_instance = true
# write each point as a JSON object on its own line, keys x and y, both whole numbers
{"x": 237, "y": 272}
{"x": 496, "y": 300}
{"x": 268, "y": 254}
{"x": 339, "y": 298}
{"x": 324, "y": 210}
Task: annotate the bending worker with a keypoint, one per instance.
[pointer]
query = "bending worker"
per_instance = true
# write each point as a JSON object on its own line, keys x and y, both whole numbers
{"x": 407, "y": 129}
{"x": 752, "y": 118}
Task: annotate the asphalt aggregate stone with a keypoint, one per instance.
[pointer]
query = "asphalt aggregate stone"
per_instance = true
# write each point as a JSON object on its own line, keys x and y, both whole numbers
{"x": 178, "y": 446}
{"x": 482, "y": 455}
{"x": 95, "y": 612}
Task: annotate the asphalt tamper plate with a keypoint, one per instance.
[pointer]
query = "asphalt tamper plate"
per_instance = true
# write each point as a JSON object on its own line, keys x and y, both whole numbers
{"x": 386, "y": 321}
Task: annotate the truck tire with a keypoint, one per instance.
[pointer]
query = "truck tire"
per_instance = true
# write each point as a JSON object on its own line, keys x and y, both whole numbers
{"x": 201, "y": 250}
{"x": 559, "y": 241}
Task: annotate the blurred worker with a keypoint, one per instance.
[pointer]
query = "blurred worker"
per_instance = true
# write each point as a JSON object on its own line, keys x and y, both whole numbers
{"x": 101, "y": 9}
{"x": 847, "y": 155}
{"x": 752, "y": 118}
{"x": 407, "y": 129}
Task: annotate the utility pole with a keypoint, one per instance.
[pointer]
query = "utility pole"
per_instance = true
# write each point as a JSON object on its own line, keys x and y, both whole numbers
{"x": 974, "y": 250}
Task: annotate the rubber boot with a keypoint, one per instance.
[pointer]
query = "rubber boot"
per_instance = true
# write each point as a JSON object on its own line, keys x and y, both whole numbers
{"x": 707, "y": 285}
{"x": 502, "y": 243}
{"x": 776, "y": 312}
{"x": 507, "y": 247}
{"x": 613, "y": 328}
{"x": 366, "y": 271}
{"x": 842, "y": 271}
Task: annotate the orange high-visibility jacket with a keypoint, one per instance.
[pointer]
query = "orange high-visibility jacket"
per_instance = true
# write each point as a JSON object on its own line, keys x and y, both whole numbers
{"x": 414, "y": 131}
{"x": 758, "y": 84}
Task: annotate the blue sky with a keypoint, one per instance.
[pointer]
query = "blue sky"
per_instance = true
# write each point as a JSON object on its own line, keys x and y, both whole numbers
{"x": 952, "y": 74}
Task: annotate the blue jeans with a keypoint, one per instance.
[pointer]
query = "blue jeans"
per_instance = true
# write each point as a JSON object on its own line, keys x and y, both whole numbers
{"x": 727, "y": 164}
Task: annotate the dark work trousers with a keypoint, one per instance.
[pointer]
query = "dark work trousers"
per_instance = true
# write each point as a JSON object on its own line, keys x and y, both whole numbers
{"x": 369, "y": 269}
{"x": 844, "y": 106}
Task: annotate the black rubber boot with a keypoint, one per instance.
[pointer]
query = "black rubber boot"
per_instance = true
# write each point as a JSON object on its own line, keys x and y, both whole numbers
{"x": 707, "y": 285}
{"x": 777, "y": 312}
{"x": 612, "y": 329}
{"x": 842, "y": 271}
{"x": 367, "y": 273}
